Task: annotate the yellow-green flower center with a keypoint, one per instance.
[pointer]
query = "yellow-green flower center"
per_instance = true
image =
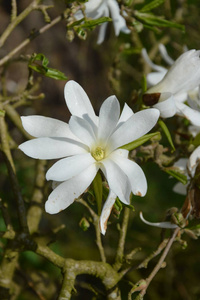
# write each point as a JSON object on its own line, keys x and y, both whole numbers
{"x": 98, "y": 153}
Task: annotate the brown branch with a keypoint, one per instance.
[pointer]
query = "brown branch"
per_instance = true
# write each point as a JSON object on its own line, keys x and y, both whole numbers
{"x": 28, "y": 40}
{"x": 122, "y": 237}
{"x": 16, "y": 20}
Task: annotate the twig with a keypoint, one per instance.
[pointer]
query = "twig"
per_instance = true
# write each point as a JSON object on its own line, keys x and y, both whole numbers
{"x": 160, "y": 262}
{"x": 16, "y": 20}
{"x": 13, "y": 177}
{"x": 28, "y": 40}
{"x": 14, "y": 10}
{"x": 97, "y": 229}
{"x": 35, "y": 211}
{"x": 122, "y": 237}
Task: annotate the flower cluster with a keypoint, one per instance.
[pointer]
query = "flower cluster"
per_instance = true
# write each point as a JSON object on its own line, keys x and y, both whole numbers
{"x": 188, "y": 167}
{"x": 103, "y": 8}
{"x": 170, "y": 89}
{"x": 86, "y": 145}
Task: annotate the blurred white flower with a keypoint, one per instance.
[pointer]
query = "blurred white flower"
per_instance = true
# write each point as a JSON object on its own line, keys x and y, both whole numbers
{"x": 188, "y": 167}
{"x": 154, "y": 77}
{"x": 95, "y": 9}
{"x": 87, "y": 144}
{"x": 168, "y": 95}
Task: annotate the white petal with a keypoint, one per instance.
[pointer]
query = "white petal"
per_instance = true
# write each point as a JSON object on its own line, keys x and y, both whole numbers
{"x": 193, "y": 160}
{"x": 102, "y": 29}
{"x": 154, "y": 77}
{"x": 125, "y": 115}
{"x": 194, "y": 130}
{"x": 69, "y": 167}
{"x": 108, "y": 118}
{"x": 161, "y": 224}
{"x": 166, "y": 105}
{"x": 52, "y": 148}
{"x": 181, "y": 164}
{"x": 106, "y": 211}
{"x": 118, "y": 21}
{"x": 165, "y": 55}
{"x": 92, "y": 5}
{"x": 133, "y": 171}
{"x": 192, "y": 115}
{"x": 180, "y": 188}
{"x": 77, "y": 101}
{"x": 83, "y": 130}
{"x": 66, "y": 192}
{"x": 117, "y": 180}
{"x": 184, "y": 74}
{"x": 150, "y": 63}
{"x": 39, "y": 126}
{"x": 135, "y": 127}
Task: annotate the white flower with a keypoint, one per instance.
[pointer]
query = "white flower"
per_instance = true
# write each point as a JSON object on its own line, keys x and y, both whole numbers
{"x": 95, "y": 9}
{"x": 154, "y": 77}
{"x": 188, "y": 167}
{"x": 169, "y": 94}
{"x": 87, "y": 144}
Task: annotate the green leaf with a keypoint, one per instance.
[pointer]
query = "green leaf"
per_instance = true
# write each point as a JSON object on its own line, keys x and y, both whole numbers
{"x": 176, "y": 174}
{"x": 141, "y": 141}
{"x": 82, "y": 34}
{"x": 153, "y": 20}
{"x": 76, "y": 23}
{"x": 153, "y": 4}
{"x": 2, "y": 113}
{"x": 167, "y": 133}
{"x": 97, "y": 186}
{"x": 91, "y": 24}
{"x": 43, "y": 69}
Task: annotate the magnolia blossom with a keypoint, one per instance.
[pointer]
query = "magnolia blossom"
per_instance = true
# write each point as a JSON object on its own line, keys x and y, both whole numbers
{"x": 89, "y": 144}
{"x": 154, "y": 77}
{"x": 169, "y": 94}
{"x": 188, "y": 167}
{"x": 95, "y": 9}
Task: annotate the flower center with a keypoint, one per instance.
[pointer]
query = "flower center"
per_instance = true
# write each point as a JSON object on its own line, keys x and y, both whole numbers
{"x": 98, "y": 153}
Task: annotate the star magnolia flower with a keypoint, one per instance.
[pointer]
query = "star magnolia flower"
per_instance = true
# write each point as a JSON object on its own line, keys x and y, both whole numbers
{"x": 169, "y": 94}
{"x": 192, "y": 111}
{"x": 188, "y": 167}
{"x": 154, "y": 77}
{"x": 95, "y": 9}
{"x": 87, "y": 144}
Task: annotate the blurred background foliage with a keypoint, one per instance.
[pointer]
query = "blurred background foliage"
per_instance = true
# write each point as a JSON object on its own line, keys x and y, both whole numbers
{"x": 114, "y": 67}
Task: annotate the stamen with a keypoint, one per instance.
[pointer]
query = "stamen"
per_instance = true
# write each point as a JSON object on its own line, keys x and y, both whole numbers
{"x": 98, "y": 153}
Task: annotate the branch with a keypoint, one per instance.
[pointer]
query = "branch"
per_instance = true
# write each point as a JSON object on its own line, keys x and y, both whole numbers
{"x": 97, "y": 229}
{"x": 142, "y": 285}
{"x": 122, "y": 237}
{"x": 13, "y": 178}
{"x": 35, "y": 211}
{"x": 28, "y": 40}
{"x": 17, "y": 19}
